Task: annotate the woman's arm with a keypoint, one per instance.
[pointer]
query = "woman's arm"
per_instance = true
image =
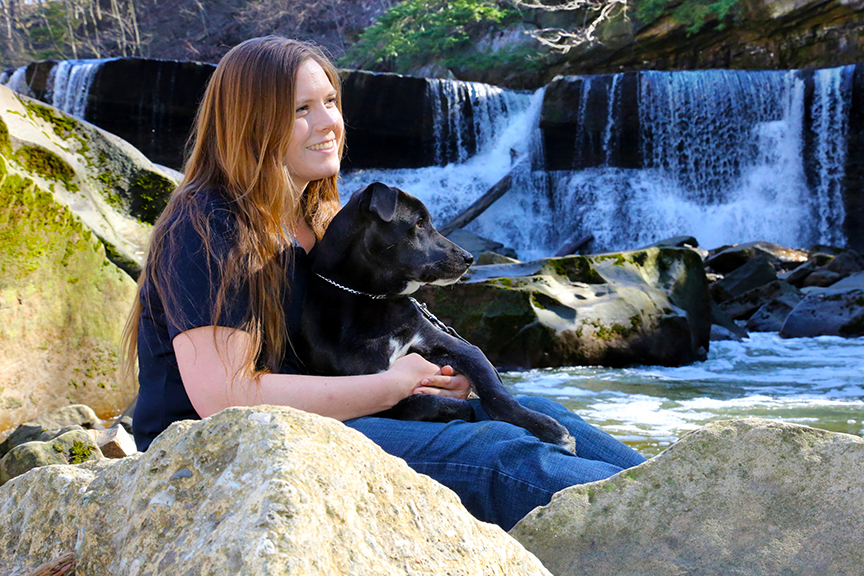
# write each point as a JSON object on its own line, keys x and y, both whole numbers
{"x": 207, "y": 364}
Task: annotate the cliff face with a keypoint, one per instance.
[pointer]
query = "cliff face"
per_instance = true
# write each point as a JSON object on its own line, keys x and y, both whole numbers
{"x": 762, "y": 35}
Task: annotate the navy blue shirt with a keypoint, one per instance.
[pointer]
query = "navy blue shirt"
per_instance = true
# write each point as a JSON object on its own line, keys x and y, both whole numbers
{"x": 162, "y": 399}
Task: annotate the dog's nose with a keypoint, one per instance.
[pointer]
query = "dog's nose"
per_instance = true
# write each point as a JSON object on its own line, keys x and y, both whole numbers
{"x": 469, "y": 258}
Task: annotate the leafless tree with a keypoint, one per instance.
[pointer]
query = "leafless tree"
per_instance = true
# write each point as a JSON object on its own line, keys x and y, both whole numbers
{"x": 594, "y": 13}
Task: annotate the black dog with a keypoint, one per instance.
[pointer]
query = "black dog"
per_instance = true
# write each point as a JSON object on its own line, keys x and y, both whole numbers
{"x": 358, "y": 317}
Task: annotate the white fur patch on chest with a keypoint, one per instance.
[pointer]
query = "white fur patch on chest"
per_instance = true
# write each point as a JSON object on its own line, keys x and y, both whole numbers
{"x": 398, "y": 349}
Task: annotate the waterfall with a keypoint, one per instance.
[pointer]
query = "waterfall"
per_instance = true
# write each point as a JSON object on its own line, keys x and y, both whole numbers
{"x": 501, "y": 123}
{"x": 17, "y": 81}
{"x": 69, "y": 84}
{"x": 726, "y": 156}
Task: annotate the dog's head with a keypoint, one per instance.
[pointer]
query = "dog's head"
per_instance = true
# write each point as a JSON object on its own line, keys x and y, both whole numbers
{"x": 387, "y": 242}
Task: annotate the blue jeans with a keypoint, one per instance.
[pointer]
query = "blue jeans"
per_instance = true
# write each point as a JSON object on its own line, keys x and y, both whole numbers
{"x": 500, "y": 471}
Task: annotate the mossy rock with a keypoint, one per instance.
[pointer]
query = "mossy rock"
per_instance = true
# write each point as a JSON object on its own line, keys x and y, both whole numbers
{"x": 149, "y": 192}
{"x": 48, "y": 165}
{"x": 5, "y": 142}
{"x": 648, "y": 306}
{"x": 64, "y": 307}
{"x": 72, "y": 447}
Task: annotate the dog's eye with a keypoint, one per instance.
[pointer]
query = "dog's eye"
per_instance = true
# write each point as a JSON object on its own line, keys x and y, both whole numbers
{"x": 420, "y": 223}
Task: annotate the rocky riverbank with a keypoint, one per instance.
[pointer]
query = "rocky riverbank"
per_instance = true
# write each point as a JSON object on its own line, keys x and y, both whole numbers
{"x": 271, "y": 490}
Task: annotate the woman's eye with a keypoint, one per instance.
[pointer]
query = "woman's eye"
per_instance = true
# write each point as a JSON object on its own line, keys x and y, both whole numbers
{"x": 301, "y": 110}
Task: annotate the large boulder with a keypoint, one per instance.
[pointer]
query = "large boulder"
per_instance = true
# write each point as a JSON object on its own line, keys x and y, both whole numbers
{"x": 262, "y": 490}
{"x": 752, "y": 496}
{"x": 834, "y": 311}
{"x": 107, "y": 183}
{"x": 643, "y": 307}
{"x": 64, "y": 306}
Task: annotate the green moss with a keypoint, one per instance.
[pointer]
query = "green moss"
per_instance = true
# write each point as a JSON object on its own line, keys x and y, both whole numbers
{"x": 80, "y": 452}
{"x": 150, "y": 192}
{"x": 5, "y": 142}
{"x": 63, "y": 126}
{"x": 574, "y": 269}
{"x": 48, "y": 165}
{"x": 58, "y": 448}
{"x": 34, "y": 229}
{"x": 619, "y": 259}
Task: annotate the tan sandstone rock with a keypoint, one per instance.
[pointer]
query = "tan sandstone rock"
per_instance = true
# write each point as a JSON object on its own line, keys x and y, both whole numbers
{"x": 258, "y": 491}
{"x": 744, "y": 497}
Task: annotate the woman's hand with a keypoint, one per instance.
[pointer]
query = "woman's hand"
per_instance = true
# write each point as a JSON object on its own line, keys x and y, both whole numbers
{"x": 423, "y": 377}
{"x": 445, "y": 382}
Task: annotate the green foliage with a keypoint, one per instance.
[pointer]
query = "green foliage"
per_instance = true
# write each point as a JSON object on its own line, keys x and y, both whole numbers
{"x": 694, "y": 14}
{"x": 416, "y": 32}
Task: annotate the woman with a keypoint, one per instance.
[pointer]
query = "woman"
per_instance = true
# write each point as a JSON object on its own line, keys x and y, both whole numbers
{"x": 220, "y": 296}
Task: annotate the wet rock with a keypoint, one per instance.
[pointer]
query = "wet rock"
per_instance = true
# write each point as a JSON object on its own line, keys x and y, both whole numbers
{"x": 734, "y": 257}
{"x": 642, "y": 307}
{"x": 751, "y": 275}
{"x": 846, "y": 263}
{"x": 743, "y": 307}
{"x": 750, "y": 496}
{"x": 70, "y": 446}
{"x": 262, "y": 490}
{"x": 834, "y": 311}
{"x": 720, "y": 319}
{"x": 771, "y": 316}
{"x": 798, "y": 275}
{"x": 720, "y": 333}
{"x": 821, "y": 279}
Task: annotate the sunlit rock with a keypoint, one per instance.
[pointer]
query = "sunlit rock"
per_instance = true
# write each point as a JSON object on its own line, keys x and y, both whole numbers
{"x": 750, "y": 496}
{"x": 63, "y": 306}
{"x": 259, "y": 491}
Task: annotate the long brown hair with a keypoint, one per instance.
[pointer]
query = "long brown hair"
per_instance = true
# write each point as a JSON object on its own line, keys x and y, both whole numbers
{"x": 238, "y": 146}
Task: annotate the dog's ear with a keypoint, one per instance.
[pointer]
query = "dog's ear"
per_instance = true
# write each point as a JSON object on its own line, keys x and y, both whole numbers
{"x": 382, "y": 200}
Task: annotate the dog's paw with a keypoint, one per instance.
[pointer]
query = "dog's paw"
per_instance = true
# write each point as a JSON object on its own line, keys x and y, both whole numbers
{"x": 569, "y": 444}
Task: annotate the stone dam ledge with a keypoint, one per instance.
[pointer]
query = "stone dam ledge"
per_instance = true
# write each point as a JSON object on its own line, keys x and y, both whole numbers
{"x": 273, "y": 491}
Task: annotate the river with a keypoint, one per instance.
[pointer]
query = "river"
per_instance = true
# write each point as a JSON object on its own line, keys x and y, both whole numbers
{"x": 814, "y": 381}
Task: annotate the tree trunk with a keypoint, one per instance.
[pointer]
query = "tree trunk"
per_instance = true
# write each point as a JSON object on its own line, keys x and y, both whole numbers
{"x": 480, "y": 206}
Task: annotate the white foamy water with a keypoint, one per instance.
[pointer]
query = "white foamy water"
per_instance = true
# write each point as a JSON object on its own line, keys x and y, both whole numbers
{"x": 814, "y": 381}
{"x": 724, "y": 154}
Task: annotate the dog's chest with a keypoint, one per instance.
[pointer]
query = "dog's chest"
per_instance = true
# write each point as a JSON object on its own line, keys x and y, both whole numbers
{"x": 400, "y": 347}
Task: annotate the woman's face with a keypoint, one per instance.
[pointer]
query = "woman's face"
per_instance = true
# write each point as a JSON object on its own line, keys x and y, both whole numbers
{"x": 314, "y": 149}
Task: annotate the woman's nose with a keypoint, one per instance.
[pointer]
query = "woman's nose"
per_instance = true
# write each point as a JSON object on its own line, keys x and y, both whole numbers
{"x": 331, "y": 118}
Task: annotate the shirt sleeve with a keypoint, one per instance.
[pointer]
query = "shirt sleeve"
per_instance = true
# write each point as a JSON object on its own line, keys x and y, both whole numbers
{"x": 193, "y": 277}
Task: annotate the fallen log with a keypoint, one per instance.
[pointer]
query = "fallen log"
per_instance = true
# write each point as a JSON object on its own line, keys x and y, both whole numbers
{"x": 482, "y": 203}
{"x": 574, "y": 244}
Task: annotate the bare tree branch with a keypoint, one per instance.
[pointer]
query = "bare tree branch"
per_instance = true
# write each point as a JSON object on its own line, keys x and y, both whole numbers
{"x": 596, "y": 12}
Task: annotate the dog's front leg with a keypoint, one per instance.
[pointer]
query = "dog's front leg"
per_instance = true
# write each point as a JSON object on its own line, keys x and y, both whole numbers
{"x": 496, "y": 400}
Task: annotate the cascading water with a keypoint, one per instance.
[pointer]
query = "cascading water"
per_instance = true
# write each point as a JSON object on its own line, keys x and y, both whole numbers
{"x": 727, "y": 156}
{"x": 17, "y": 81}
{"x": 69, "y": 84}
{"x": 503, "y": 126}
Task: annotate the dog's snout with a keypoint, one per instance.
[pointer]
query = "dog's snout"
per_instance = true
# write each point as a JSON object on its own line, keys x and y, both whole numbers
{"x": 469, "y": 258}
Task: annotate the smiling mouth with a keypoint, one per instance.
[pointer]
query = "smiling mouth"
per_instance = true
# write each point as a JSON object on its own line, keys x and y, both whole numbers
{"x": 323, "y": 146}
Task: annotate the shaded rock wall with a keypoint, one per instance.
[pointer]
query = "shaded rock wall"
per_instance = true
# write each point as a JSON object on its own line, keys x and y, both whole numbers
{"x": 758, "y": 35}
